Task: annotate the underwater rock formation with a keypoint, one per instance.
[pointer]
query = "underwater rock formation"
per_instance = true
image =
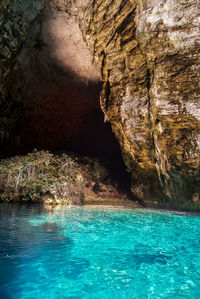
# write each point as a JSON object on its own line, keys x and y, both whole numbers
{"x": 148, "y": 54}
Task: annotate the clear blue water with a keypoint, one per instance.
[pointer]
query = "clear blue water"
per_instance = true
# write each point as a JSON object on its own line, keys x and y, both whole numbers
{"x": 98, "y": 252}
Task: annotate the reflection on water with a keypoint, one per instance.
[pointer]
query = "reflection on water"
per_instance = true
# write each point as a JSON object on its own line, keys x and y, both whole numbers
{"x": 85, "y": 252}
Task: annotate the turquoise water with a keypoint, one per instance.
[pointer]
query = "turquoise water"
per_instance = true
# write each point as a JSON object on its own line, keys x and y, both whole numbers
{"x": 98, "y": 252}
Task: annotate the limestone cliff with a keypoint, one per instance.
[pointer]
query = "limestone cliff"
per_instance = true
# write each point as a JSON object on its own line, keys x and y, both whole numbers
{"x": 148, "y": 54}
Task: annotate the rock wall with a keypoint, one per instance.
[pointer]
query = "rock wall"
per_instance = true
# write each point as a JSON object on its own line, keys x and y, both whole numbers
{"x": 148, "y": 54}
{"x": 16, "y": 17}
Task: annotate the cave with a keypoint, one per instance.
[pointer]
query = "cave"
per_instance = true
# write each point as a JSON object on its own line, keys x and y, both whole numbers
{"x": 60, "y": 84}
{"x": 59, "y": 59}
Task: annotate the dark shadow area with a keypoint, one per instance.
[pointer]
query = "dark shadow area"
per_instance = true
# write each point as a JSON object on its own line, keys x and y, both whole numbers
{"x": 74, "y": 122}
{"x": 61, "y": 90}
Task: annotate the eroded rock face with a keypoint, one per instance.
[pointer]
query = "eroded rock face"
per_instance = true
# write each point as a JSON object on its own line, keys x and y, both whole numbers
{"x": 148, "y": 53}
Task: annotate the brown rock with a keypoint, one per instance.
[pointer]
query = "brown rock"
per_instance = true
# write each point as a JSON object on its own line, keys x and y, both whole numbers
{"x": 148, "y": 52}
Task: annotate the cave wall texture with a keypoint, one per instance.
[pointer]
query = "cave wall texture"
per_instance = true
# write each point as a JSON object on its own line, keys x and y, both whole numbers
{"x": 16, "y": 17}
{"x": 148, "y": 55}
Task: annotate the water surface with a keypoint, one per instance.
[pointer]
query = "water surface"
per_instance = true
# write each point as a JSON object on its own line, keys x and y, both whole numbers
{"x": 98, "y": 252}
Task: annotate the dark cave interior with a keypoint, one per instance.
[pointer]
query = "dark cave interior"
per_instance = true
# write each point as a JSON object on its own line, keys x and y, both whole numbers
{"x": 60, "y": 89}
{"x": 66, "y": 117}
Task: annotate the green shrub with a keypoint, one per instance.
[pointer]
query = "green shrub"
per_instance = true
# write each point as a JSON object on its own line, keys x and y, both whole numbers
{"x": 40, "y": 176}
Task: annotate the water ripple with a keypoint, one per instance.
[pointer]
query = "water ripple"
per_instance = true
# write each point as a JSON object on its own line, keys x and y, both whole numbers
{"x": 83, "y": 252}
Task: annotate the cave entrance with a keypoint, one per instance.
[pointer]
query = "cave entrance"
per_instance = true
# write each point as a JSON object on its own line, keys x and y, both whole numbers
{"x": 61, "y": 88}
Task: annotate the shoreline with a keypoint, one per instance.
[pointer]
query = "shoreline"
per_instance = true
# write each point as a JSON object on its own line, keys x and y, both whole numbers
{"x": 108, "y": 203}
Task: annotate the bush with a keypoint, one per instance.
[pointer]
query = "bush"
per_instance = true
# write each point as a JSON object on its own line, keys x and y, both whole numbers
{"x": 41, "y": 176}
